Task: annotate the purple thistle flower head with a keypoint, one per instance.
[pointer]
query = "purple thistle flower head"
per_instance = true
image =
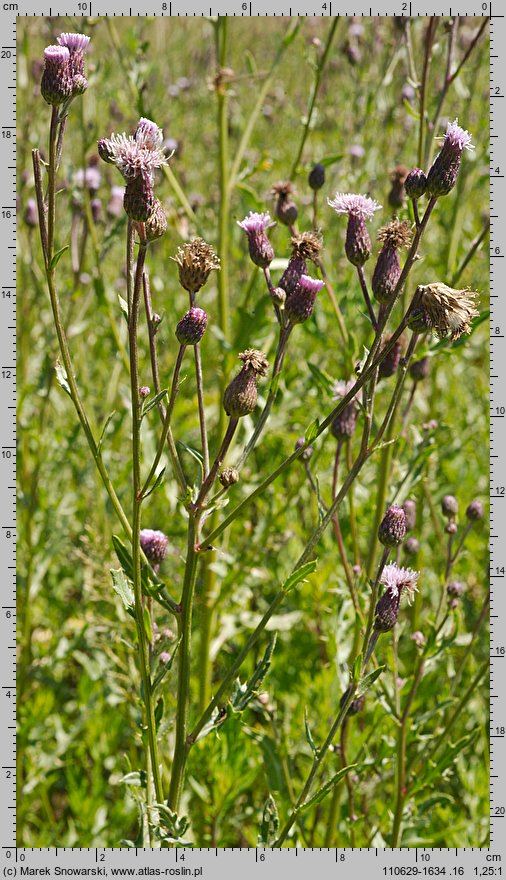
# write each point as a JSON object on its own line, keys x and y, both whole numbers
{"x": 443, "y": 174}
{"x": 392, "y": 529}
{"x": 154, "y": 545}
{"x": 255, "y": 223}
{"x": 148, "y": 135}
{"x": 354, "y": 205}
{"x": 260, "y": 248}
{"x": 300, "y": 304}
{"x": 133, "y": 157}
{"x": 56, "y": 83}
{"x": 396, "y": 579}
{"x": 74, "y": 42}
{"x": 344, "y": 423}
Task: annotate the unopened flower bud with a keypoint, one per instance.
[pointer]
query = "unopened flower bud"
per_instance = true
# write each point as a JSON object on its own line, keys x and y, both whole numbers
{"x": 449, "y": 506}
{"x": 474, "y": 510}
{"x": 387, "y": 271}
{"x": 228, "y": 477}
{"x": 356, "y": 705}
{"x": 317, "y": 176}
{"x": 420, "y": 369}
{"x": 56, "y": 84}
{"x": 419, "y": 639}
{"x": 415, "y": 184}
{"x": 411, "y": 546}
{"x": 192, "y": 326}
{"x": 451, "y": 528}
{"x": 106, "y": 150}
{"x": 306, "y": 455}
{"x": 143, "y": 392}
{"x": 390, "y": 363}
{"x": 156, "y": 225}
{"x": 392, "y": 529}
{"x": 344, "y": 424}
{"x": 154, "y": 545}
{"x": 455, "y": 589}
{"x": 278, "y": 296}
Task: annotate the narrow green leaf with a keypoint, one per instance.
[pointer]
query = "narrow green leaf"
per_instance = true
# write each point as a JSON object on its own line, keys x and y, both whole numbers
{"x": 245, "y": 693}
{"x": 57, "y": 257}
{"x": 104, "y": 429}
{"x": 369, "y": 679}
{"x": 300, "y": 575}
{"x": 412, "y": 112}
{"x": 155, "y": 401}
{"x": 311, "y": 431}
{"x": 326, "y": 789}
{"x": 165, "y": 668}
{"x": 157, "y": 483}
{"x": 123, "y": 306}
{"x": 327, "y": 161}
{"x": 357, "y": 668}
{"x": 122, "y": 587}
{"x": 147, "y": 625}
{"x": 160, "y": 705}
{"x": 309, "y": 736}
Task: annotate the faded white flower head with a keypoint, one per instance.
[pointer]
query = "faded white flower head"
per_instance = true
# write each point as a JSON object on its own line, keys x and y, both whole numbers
{"x": 396, "y": 579}
{"x": 448, "y": 311}
{"x": 354, "y": 205}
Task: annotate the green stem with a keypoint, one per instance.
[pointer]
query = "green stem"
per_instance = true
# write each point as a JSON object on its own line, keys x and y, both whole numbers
{"x": 143, "y": 647}
{"x": 202, "y": 411}
{"x": 429, "y": 39}
{"x": 314, "y": 95}
{"x": 470, "y": 254}
{"x": 401, "y": 755}
{"x": 221, "y": 29}
{"x": 218, "y": 461}
{"x": 166, "y": 423}
{"x": 181, "y": 747}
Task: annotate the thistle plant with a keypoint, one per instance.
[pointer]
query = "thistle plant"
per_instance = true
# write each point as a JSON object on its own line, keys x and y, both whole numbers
{"x": 204, "y": 486}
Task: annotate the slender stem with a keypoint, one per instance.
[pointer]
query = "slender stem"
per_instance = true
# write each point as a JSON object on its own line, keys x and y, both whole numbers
{"x": 429, "y": 39}
{"x": 143, "y": 647}
{"x": 339, "y": 536}
{"x": 452, "y": 38}
{"x": 333, "y": 299}
{"x": 284, "y": 334}
{"x": 470, "y": 254}
{"x": 218, "y": 461}
{"x": 168, "y": 415}
{"x": 314, "y": 95}
{"x": 479, "y": 623}
{"x": 368, "y": 635}
{"x": 365, "y": 291}
{"x": 221, "y": 29}
{"x": 401, "y": 755}
{"x": 181, "y": 747}
{"x": 155, "y": 372}
{"x": 202, "y": 412}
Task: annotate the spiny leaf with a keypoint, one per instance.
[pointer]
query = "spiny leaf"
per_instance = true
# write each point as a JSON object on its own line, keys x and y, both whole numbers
{"x": 311, "y": 431}
{"x": 369, "y": 679}
{"x": 309, "y": 736}
{"x": 270, "y": 823}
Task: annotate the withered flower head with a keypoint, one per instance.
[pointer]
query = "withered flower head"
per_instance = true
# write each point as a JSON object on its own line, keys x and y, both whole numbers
{"x": 307, "y": 245}
{"x": 448, "y": 311}
{"x": 196, "y": 260}
{"x": 255, "y": 360}
{"x": 395, "y": 234}
{"x": 283, "y": 189}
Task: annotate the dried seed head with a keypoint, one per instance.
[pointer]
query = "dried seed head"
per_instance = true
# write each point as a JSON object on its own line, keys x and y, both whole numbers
{"x": 196, "y": 260}
{"x": 192, "y": 326}
{"x": 307, "y": 245}
{"x": 442, "y": 177}
{"x": 156, "y": 225}
{"x": 56, "y": 83}
{"x": 299, "y": 306}
{"x": 397, "y": 193}
{"x": 409, "y": 508}
{"x": 154, "y": 545}
{"x": 420, "y": 369}
{"x": 415, "y": 183}
{"x": 260, "y": 248}
{"x": 228, "y": 477}
{"x": 240, "y": 397}
{"x": 316, "y": 177}
{"x": 449, "y": 506}
{"x": 356, "y": 705}
{"x": 474, "y": 510}
{"x": 419, "y": 321}
{"x": 254, "y": 360}
{"x": 286, "y": 209}
{"x": 390, "y": 363}
{"x": 283, "y": 189}
{"x": 392, "y": 529}
{"x": 396, "y": 234}
{"x": 411, "y": 546}
{"x": 139, "y": 199}
{"x": 448, "y": 311}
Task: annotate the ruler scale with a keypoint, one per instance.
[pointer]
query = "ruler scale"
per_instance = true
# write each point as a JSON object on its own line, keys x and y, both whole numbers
{"x": 224, "y": 863}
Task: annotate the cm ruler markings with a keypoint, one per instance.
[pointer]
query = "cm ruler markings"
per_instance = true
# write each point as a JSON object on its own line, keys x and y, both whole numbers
{"x": 221, "y": 863}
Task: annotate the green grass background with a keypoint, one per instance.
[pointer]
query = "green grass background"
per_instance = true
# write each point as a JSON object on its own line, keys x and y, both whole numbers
{"x": 78, "y": 687}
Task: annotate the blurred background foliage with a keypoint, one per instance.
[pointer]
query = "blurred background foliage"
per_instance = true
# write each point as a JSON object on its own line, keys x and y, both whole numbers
{"x": 78, "y": 687}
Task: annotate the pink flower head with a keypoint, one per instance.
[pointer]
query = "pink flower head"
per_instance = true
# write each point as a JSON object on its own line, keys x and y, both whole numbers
{"x": 457, "y": 139}
{"x": 74, "y": 42}
{"x": 396, "y": 579}
{"x": 56, "y": 55}
{"x": 255, "y": 223}
{"x": 148, "y": 135}
{"x": 310, "y": 285}
{"x": 132, "y": 157}
{"x": 354, "y": 205}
